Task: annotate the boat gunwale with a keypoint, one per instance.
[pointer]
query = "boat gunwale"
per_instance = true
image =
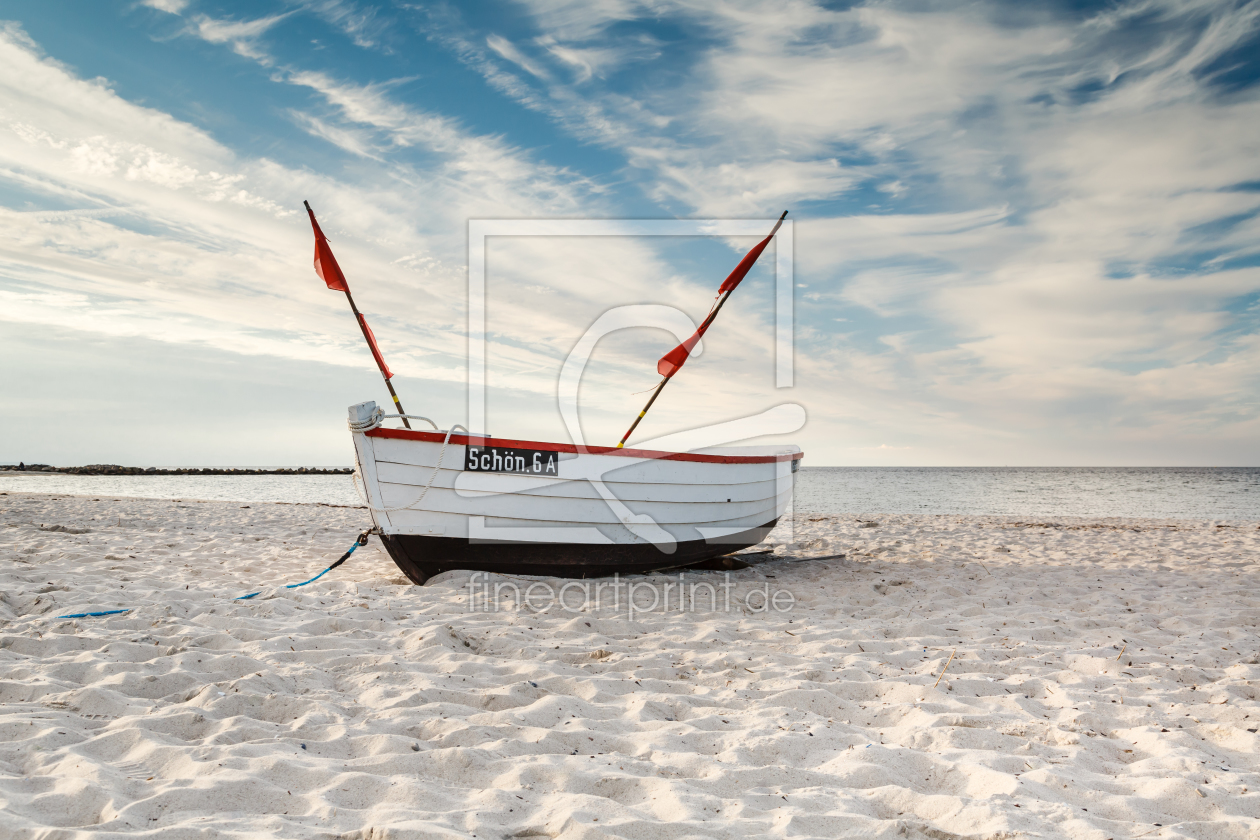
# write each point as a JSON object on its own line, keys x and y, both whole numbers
{"x": 652, "y": 454}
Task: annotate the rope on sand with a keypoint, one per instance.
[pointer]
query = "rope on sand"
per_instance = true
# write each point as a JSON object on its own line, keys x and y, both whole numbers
{"x": 362, "y": 540}
{"x": 94, "y": 614}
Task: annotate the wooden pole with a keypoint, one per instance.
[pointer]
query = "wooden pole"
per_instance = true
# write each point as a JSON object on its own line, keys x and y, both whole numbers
{"x": 655, "y": 394}
{"x": 661, "y": 387}
{"x": 363, "y": 328}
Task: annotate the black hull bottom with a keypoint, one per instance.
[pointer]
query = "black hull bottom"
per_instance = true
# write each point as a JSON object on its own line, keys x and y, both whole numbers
{"x": 421, "y": 557}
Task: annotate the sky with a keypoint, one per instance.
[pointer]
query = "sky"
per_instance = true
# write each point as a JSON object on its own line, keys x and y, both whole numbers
{"x": 1023, "y": 233}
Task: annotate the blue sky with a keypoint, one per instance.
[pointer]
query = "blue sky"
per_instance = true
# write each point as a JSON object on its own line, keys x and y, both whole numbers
{"x": 1024, "y": 233}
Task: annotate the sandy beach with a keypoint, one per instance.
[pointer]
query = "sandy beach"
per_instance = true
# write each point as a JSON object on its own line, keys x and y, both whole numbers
{"x": 1103, "y": 684}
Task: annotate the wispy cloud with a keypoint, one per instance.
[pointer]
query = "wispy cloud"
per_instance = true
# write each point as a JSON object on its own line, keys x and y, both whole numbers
{"x": 173, "y": 7}
{"x": 229, "y": 31}
{"x": 489, "y": 171}
{"x": 364, "y": 25}
{"x": 241, "y": 35}
{"x": 599, "y": 60}
{"x": 506, "y": 49}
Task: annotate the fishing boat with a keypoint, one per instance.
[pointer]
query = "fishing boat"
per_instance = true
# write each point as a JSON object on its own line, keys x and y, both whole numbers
{"x": 442, "y": 500}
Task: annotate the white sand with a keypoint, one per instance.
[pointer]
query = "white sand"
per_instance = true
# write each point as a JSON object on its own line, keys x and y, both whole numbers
{"x": 186, "y": 718}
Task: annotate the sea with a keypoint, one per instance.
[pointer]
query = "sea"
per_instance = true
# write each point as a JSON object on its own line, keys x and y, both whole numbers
{"x": 1217, "y": 493}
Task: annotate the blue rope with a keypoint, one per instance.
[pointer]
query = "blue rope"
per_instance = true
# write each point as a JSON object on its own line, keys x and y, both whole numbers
{"x": 362, "y": 540}
{"x": 343, "y": 559}
{"x": 94, "y": 614}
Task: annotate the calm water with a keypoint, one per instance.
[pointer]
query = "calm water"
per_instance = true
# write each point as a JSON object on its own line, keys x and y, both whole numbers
{"x": 297, "y": 489}
{"x": 1172, "y": 492}
{"x": 1157, "y": 492}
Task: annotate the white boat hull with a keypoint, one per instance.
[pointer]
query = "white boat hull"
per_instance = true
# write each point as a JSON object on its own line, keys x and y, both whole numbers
{"x": 597, "y": 510}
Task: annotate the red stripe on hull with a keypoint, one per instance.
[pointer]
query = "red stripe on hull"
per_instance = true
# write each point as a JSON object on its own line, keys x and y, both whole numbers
{"x": 461, "y": 440}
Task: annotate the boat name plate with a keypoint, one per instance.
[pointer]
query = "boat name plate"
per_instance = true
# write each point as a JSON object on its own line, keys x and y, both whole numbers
{"x": 505, "y": 459}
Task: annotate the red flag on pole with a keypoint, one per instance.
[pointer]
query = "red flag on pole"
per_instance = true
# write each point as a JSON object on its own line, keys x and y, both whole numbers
{"x": 676, "y": 358}
{"x": 672, "y": 361}
{"x": 729, "y": 284}
{"x": 376, "y": 351}
{"x": 328, "y": 270}
{"x": 325, "y": 263}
